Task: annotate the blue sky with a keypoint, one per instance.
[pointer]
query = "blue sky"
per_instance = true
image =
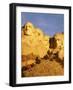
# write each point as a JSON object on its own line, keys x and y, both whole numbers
{"x": 49, "y": 23}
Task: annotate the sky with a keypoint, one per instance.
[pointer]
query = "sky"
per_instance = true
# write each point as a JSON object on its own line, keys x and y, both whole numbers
{"x": 49, "y": 23}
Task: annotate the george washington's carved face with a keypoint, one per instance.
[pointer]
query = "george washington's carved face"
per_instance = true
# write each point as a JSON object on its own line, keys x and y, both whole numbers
{"x": 28, "y": 30}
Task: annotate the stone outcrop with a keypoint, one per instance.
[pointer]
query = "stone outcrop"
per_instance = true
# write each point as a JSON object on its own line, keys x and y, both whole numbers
{"x": 39, "y": 50}
{"x": 34, "y": 41}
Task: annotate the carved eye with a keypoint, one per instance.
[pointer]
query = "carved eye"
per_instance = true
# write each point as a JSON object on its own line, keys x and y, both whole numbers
{"x": 38, "y": 33}
{"x": 29, "y": 26}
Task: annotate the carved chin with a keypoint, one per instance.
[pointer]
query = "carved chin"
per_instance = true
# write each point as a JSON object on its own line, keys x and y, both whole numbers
{"x": 28, "y": 33}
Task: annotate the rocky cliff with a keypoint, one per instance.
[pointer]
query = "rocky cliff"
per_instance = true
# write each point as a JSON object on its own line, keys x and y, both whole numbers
{"x": 42, "y": 55}
{"x": 34, "y": 41}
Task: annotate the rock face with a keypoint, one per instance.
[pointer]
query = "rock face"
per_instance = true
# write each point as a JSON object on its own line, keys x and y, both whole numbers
{"x": 34, "y": 41}
{"x": 60, "y": 45}
{"x": 41, "y": 54}
{"x": 57, "y": 45}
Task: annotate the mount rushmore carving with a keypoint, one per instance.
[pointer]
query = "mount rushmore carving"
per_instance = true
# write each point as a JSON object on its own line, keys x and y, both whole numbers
{"x": 38, "y": 48}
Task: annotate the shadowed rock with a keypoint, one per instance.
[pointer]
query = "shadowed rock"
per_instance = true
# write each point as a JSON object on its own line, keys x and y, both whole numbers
{"x": 53, "y": 43}
{"x": 38, "y": 61}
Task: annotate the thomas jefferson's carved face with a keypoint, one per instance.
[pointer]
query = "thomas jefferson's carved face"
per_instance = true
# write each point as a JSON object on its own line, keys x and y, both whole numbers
{"x": 57, "y": 41}
{"x": 60, "y": 39}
